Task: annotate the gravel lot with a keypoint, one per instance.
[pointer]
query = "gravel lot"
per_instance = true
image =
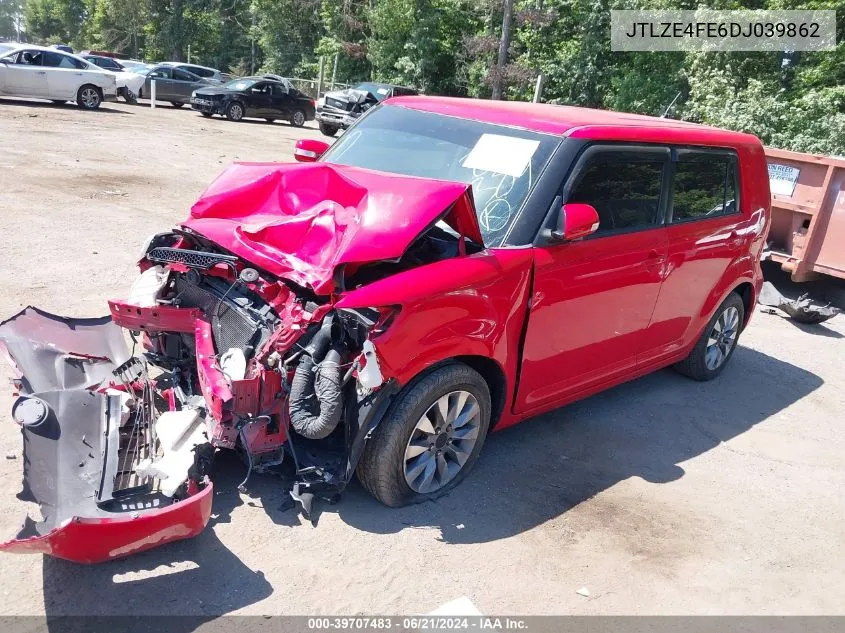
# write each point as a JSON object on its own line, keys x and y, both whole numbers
{"x": 661, "y": 496}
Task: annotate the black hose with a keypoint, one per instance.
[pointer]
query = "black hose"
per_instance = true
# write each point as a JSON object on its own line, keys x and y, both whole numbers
{"x": 316, "y": 401}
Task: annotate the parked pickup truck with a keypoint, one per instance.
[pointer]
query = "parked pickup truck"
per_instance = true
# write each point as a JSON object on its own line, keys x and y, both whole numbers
{"x": 339, "y": 109}
{"x": 454, "y": 267}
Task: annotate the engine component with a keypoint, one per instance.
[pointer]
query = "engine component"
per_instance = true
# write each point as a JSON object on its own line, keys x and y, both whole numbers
{"x": 316, "y": 402}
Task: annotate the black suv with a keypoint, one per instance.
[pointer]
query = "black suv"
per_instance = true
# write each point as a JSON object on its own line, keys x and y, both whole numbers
{"x": 257, "y": 97}
{"x": 339, "y": 109}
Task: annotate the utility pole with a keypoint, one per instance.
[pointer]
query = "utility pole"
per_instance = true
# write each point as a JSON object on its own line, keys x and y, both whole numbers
{"x": 320, "y": 76}
{"x": 334, "y": 70}
{"x": 504, "y": 45}
{"x": 252, "y": 41}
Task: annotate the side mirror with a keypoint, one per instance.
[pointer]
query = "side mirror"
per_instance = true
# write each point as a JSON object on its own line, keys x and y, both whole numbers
{"x": 309, "y": 150}
{"x": 575, "y": 221}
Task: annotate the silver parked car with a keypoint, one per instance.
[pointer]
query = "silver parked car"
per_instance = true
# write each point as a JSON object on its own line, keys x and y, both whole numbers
{"x": 174, "y": 84}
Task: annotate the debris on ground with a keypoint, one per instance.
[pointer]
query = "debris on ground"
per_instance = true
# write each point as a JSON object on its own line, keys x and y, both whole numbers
{"x": 803, "y": 309}
{"x": 583, "y": 591}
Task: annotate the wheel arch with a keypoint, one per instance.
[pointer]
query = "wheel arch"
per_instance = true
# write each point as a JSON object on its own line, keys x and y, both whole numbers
{"x": 488, "y": 368}
{"x": 746, "y": 292}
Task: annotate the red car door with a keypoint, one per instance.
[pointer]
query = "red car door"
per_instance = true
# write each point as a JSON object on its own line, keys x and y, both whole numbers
{"x": 592, "y": 299}
{"x": 705, "y": 236}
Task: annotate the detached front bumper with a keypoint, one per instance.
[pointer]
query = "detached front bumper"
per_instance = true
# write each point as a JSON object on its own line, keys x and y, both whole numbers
{"x": 336, "y": 118}
{"x": 82, "y": 432}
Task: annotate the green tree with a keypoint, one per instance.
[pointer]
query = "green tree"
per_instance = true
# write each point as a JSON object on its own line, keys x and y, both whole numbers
{"x": 55, "y": 21}
{"x": 11, "y": 17}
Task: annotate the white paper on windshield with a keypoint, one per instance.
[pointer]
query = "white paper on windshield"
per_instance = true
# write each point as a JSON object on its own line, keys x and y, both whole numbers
{"x": 501, "y": 154}
{"x": 382, "y": 91}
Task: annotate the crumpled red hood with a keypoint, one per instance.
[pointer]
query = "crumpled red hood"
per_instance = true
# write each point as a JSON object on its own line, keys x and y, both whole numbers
{"x": 301, "y": 222}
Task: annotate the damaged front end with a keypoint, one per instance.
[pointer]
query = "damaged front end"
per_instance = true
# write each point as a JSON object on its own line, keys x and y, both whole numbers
{"x": 236, "y": 343}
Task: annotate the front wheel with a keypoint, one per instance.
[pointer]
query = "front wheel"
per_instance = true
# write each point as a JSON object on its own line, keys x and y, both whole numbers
{"x": 328, "y": 130}
{"x": 235, "y": 111}
{"x": 718, "y": 342}
{"x": 88, "y": 97}
{"x": 429, "y": 439}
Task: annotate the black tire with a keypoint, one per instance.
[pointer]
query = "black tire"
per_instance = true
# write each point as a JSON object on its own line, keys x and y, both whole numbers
{"x": 89, "y": 97}
{"x": 381, "y": 469}
{"x": 207, "y": 115}
{"x": 59, "y": 101}
{"x": 298, "y": 118}
{"x": 328, "y": 130}
{"x": 130, "y": 97}
{"x": 269, "y": 120}
{"x": 235, "y": 111}
{"x": 177, "y": 104}
{"x": 695, "y": 365}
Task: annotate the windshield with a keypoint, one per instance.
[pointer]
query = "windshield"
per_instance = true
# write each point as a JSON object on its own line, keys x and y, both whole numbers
{"x": 240, "y": 84}
{"x": 501, "y": 163}
{"x": 379, "y": 91}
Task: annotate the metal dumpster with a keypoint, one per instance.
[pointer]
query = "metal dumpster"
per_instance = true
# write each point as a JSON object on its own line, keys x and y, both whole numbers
{"x": 807, "y": 235}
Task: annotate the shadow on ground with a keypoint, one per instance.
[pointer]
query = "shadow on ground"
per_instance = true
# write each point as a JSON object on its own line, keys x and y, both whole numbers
{"x": 55, "y": 106}
{"x": 527, "y": 475}
{"x": 541, "y": 468}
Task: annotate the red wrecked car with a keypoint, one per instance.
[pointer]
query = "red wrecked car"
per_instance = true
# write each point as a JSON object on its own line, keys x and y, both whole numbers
{"x": 447, "y": 267}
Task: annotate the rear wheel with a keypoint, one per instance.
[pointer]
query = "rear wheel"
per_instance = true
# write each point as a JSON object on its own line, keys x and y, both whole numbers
{"x": 430, "y": 438}
{"x": 88, "y": 97}
{"x": 328, "y": 130}
{"x": 176, "y": 104}
{"x": 718, "y": 342}
{"x": 297, "y": 119}
{"x": 235, "y": 111}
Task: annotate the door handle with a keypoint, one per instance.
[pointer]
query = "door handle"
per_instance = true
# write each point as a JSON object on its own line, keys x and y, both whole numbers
{"x": 734, "y": 240}
{"x": 653, "y": 259}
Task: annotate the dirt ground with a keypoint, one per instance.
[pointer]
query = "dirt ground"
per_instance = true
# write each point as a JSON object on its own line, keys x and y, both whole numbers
{"x": 661, "y": 496}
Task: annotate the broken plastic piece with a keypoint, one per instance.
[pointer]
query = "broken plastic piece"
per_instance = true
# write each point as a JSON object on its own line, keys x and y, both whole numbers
{"x": 147, "y": 286}
{"x": 233, "y": 364}
{"x": 370, "y": 375}
{"x": 178, "y": 432}
{"x": 803, "y": 309}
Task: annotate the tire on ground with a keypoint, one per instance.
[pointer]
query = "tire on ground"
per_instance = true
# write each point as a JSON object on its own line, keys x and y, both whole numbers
{"x": 694, "y": 365}
{"x": 328, "y": 130}
{"x": 93, "y": 104}
{"x": 381, "y": 468}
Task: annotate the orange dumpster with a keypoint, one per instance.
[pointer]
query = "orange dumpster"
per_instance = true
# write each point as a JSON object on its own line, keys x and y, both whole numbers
{"x": 807, "y": 235}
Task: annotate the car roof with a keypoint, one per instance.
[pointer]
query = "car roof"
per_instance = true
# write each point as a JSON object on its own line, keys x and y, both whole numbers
{"x": 47, "y": 49}
{"x": 563, "y": 120}
{"x": 188, "y": 64}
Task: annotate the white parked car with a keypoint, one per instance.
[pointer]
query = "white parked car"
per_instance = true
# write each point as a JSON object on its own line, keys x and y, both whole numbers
{"x": 39, "y": 72}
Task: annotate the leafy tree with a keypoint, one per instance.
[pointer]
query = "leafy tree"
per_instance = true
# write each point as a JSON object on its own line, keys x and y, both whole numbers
{"x": 11, "y": 17}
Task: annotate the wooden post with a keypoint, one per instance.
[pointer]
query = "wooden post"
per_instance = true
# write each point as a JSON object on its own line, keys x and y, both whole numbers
{"x": 320, "y": 76}
{"x": 538, "y": 88}
{"x": 334, "y": 70}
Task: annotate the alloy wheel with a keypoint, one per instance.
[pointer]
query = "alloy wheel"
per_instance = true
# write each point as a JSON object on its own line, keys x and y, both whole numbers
{"x": 722, "y": 338}
{"x": 298, "y": 118}
{"x": 442, "y": 441}
{"x": 236, "y": 112}
{"x": 90, "y": 97}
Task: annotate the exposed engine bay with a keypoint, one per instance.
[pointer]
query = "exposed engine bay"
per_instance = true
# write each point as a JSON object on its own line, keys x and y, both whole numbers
{"x": 121, "y": 415}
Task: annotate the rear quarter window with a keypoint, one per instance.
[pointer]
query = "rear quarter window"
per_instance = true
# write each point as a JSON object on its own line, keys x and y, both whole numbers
{"x": 705, "y": 185}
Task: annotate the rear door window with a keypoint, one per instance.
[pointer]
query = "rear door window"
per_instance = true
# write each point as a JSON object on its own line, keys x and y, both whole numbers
{"x": 704, "y": 185}
{"x": 181, "y": 75}
{"x": 199, "y": 72}
{"x": 623, "y": 186}
{"x": 57, "y": 60}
